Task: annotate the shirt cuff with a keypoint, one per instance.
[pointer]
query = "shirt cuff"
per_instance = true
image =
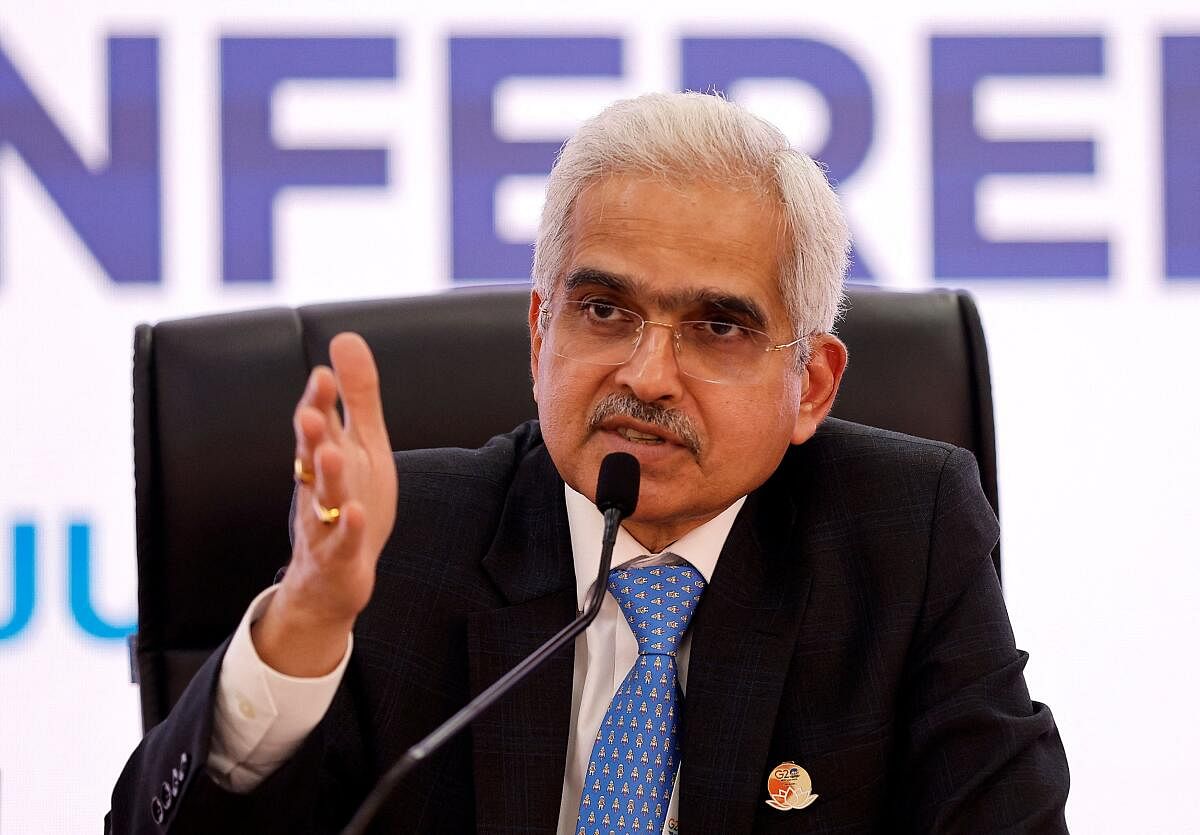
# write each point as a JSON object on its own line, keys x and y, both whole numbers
{"x": 262, "y": 716}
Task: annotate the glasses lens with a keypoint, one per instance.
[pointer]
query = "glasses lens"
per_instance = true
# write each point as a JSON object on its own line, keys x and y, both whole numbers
{"x": 594, "y": 332}
{"x": 721, "y": 352}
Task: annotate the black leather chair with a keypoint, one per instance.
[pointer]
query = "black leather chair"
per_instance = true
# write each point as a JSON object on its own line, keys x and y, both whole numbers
{"x": 213, "y": 399}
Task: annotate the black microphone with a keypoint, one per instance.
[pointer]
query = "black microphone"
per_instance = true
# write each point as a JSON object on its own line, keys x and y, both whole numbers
{"x": 616, "y": 497}
{"x": 617, "y": 486}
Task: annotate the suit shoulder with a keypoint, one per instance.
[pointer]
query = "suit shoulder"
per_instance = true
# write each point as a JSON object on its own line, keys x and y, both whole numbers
{"x": 441, "y": 488}
{"x": 871, "y": 470}
{"x": 491, "y": 464}
{"x": 845, "y": 443}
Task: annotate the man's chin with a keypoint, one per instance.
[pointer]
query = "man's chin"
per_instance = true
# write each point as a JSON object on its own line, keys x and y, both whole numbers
{"x": 665, "y": 501}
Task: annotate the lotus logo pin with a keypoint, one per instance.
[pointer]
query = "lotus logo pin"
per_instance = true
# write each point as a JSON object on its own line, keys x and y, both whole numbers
{"x": 789, "y": 787}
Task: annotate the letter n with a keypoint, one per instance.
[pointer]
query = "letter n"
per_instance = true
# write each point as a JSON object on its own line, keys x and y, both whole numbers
{"x": 115, "y": 207}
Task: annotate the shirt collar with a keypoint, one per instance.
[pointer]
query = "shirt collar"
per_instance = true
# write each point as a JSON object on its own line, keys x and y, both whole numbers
{"x": 700, "y": 546}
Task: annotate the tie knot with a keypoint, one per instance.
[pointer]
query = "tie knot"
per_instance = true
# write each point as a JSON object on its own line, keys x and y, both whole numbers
{"x": 658, "y": 601}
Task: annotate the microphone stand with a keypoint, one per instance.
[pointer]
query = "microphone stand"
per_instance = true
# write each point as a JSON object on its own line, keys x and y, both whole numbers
{"x": 448, "y": 729}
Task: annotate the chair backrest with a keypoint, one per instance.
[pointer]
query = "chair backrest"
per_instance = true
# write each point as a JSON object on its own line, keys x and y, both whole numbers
{"x": 213, "y": 399}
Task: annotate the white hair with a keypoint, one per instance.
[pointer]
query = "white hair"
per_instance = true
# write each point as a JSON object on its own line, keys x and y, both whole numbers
{"x": 700, "y": 137}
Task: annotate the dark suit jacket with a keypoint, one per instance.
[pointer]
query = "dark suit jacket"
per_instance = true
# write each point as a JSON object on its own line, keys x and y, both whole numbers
{"x": 854, "y": 625}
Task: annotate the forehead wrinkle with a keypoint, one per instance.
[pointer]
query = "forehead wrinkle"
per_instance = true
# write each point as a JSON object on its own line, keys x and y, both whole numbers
{"x": 613, "y": 218}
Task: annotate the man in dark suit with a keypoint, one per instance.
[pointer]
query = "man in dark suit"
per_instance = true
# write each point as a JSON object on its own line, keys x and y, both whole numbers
{"x": 849, "y": 667}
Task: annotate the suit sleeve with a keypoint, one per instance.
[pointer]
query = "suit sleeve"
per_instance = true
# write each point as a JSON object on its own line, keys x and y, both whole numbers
{"x": 261, "y": 716}
{"x": 166, "y": 788}
{"x": 981, "y": 756}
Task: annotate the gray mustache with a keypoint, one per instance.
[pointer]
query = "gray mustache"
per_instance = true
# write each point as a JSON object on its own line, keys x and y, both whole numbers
{"x": 624, "y": 404}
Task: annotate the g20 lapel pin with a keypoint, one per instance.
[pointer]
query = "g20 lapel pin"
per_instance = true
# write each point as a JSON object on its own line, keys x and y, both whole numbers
{"x": 789, "y": 787}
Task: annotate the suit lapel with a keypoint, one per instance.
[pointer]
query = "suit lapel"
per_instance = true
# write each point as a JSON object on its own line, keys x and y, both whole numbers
{"x": 742, "y": 642}
{"x": 520, "y": 744}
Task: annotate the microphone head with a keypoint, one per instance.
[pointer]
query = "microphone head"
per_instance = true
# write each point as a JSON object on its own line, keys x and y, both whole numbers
{"x": 617, "y": 486}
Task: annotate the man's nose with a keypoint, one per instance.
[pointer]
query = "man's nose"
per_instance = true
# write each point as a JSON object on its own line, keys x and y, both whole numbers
{"x": 653, "y": 372}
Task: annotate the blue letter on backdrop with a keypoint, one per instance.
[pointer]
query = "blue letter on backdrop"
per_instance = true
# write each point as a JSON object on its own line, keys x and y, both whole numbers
{"x": 961, "y": 158}
{"x": 253, "y": 168}
{"x": 479, "y": 160}
{"x": 24, "y": 550}
{"x": 115, "y": 209}
{"x": 79, "y": 557}
{"x": 1181, "y": 154}
{"x": 718, "y": 63}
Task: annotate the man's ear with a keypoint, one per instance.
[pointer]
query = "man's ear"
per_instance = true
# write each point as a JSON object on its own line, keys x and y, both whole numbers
{"x": 822, "y": 377}
{"x": 535, "y": 338}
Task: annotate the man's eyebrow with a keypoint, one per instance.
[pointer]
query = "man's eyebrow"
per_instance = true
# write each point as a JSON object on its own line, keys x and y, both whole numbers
{"x": 591, "y": 276}
{"x": 706, "y": 298}
{"x": 735, "y": 305}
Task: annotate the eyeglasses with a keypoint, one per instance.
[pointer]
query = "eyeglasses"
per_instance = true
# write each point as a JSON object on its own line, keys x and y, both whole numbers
{"x": 600, "y": 333}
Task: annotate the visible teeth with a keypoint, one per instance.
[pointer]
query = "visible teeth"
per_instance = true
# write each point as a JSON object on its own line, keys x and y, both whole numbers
{"x": 634, "y": 435}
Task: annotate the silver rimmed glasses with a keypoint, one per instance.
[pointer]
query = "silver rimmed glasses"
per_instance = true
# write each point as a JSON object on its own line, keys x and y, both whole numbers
{"x": 601, "y": 333}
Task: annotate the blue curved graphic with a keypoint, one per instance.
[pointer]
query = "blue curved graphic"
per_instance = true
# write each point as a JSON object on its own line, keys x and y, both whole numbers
{"x": 80, "y": 569}
{"x": 23, "y": 581}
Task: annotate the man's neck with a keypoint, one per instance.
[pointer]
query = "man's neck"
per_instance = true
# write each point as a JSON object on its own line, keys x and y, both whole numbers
{"x": 700, "y": 544}
{"x": 657, "y": 538}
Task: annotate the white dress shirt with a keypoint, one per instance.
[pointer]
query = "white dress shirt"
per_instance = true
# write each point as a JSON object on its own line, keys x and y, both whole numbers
{"x": 262, "y": 716}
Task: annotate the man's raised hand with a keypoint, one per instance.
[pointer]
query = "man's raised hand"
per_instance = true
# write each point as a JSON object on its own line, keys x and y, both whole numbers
{"x": 343, "y": 470}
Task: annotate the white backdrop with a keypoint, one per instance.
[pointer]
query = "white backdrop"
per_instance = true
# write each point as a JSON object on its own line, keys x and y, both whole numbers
{"x": 1097, "y": 409}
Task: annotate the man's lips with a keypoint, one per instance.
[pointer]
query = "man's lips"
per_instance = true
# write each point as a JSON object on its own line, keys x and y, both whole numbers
{"x": 640, "y": 432}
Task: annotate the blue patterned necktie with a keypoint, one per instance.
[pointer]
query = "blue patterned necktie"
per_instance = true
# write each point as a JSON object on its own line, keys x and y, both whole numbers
{"x": 631, "y": 772}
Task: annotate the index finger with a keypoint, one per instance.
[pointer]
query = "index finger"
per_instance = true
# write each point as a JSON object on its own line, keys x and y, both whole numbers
{"x": 358, "y": 383}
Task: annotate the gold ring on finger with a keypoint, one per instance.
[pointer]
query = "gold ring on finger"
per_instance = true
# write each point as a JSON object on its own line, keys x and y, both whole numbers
{"x": 326, "y": 515}
{"x": 302, "y": 475}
